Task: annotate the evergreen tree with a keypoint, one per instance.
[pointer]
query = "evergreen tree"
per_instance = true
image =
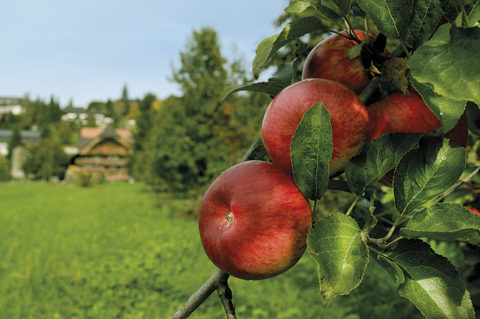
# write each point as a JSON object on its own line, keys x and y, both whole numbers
{"x": 125, "y": 100}
{"x": 15, "y": 140}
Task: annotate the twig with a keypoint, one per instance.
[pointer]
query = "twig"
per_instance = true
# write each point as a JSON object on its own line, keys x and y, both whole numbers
{"x": 350, "y": 209}
{"x": 225, "y": 294}
{"x": 218, "y": 279}
{"x": 457, "y": 185}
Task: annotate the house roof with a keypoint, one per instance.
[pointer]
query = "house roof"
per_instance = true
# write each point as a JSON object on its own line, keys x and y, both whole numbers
{"x": 89, "y": 134}
{"x": 28, "y": 137}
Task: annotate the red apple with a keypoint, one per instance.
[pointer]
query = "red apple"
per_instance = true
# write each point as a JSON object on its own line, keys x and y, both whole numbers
{"x": 348, "y": 117}
{"x": 474, "y": 210}
{"x": 254, "y": 221}
{"x": 329, "y": 60}
{"x": 409, "y": 114}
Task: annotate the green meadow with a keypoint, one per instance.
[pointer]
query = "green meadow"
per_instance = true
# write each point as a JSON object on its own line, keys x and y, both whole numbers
{"x": 122, "y": 251}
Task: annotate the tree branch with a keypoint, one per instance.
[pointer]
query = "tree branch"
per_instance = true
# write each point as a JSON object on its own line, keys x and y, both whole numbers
{"x": 219, "y": 278}
{"x": 225, "y": 295}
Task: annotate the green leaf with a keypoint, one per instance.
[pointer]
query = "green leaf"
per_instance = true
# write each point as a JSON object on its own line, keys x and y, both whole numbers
{"x": 340, "y": 7}
{"x": 474, "y": 14}
{"x": 393, "y": 269}
{"x": 410, "y": 21}
{"x": 426, "y": 172}
{"x": 286, "y": 73}
{"x": 473, "y": 117}
{"x": 335, "y": 244}
{"x": 449, "y": 62}
{"x": 444, "y": 221}
{"x": 311, "y": 151}
{"x": 271, "y": 88}
{"x": 304, "y": 9}
{"x": 431, "y": 283}
{"x": 448, "y": 111}
{"x": 355, "y": 51}
{"x": 256, "y": 151}
{"x": 377, "y": 158}
{"x": 290, "y": 32}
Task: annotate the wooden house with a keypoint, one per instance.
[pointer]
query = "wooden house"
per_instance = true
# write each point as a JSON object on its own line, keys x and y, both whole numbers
{"x": 104, "y": 151}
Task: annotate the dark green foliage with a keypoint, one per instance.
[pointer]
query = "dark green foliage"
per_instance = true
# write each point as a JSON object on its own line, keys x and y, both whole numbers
{"x": 45, "y": 160}
{"x": 15, "y": 140}
{"x": 4, "y": 169}
{"x": 191, "y": 139}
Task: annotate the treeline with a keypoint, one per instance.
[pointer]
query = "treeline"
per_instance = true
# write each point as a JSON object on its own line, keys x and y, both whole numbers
{"x": 187, "y": 140}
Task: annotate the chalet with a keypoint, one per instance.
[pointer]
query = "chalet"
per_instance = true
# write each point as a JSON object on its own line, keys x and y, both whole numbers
{"x": 104, "y": 151}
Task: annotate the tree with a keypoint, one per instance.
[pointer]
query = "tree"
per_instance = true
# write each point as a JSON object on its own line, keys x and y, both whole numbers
{"x": 193, "y": 138}
{"x": 431, "y": 49}
{"x": 141, "y": 149}
{"x": 125, "y": 100}
{"x": 15, "y": 140}
{"x": 45, "y": 160}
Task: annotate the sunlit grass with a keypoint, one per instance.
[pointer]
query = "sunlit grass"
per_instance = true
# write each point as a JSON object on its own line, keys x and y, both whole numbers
{"x": 110, "y": 252}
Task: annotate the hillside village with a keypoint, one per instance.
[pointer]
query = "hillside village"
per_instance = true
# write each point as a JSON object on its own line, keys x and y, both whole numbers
{"x": 95, "y": 140}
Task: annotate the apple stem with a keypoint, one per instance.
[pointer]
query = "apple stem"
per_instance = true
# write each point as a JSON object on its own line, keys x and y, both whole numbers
{"x": 218, "y": 281}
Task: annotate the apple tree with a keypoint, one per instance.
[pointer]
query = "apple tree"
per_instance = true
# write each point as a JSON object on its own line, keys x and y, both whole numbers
{"x": 380, "y": 110}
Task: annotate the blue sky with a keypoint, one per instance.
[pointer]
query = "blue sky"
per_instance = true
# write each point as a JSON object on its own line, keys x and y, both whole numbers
{"x": 87, "y": 50}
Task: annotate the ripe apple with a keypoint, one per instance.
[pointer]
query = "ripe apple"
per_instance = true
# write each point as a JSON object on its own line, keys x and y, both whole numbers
{"x": 474, "y": 210}
{"x": 348, "y": 117}
{"x": 254, "y": 221}
{"x": 329, "y": 60}
{"x": 409, "y": 114}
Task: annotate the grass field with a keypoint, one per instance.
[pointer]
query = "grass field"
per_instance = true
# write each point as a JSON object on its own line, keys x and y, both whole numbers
{"x": 111, "y": 252}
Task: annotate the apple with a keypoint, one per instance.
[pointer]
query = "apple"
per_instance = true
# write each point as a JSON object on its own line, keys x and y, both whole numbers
{"x": 348, "y": 117}
{"x": 474, "y": 210}
{"x": 329, "y": 60}
{"x": 409, "y": 114}
{"x": 254, "y": 221}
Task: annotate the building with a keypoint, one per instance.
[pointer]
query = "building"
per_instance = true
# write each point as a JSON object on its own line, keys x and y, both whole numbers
{"x": 83, "y": 116}
{"x": 19, "y": 153}
{"x": 104, "y": 151}
{"x": 10, "y": 105}
{"x": 28, "y": 138}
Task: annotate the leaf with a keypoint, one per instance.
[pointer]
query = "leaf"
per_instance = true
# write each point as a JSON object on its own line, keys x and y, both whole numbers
{"x": 473, "y": 117}
{"x": 393, "y": 270}
{"x": 423, "y": 21}
{"x": 474, "y": 14}
{"x": 426, "y": 172}
{"x": 448, "y": 111}
{"x": 449, "y": 62}
{"x": 285, "y": 74}
{"x": 377, "y": 158}
{"x": 431, "y": 282}
{"x": 410, "y": 21}
{"x": 340, "y": 7}
{"x": 272, "y": 88}
{"x": 335, "y": 244}
{"x": 290, "y": 32}
{"x": 311, "y": 151}
{"x": 304, "y": 9}
{"x": 355, "y": 51}
{"x": 256, "y": 151}
{"x": 444, "y": 221}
